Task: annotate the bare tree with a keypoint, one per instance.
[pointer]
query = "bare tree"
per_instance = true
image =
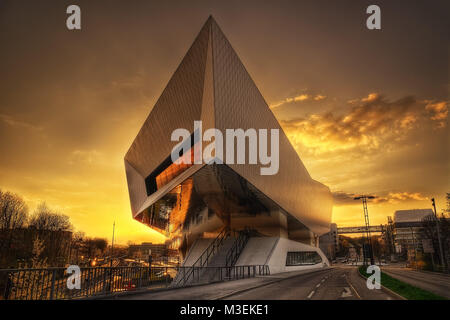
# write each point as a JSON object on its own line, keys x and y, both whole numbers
{"x": 447, "y": 210}
{"x": 13, "y": 211}
{"x": 55, "y": 229}
{"x": 13, "y": 215}
{"x": 100, "y": 244}
{"x": 37, "y": 260}
{"x": 95, "y": 246}
{"x": 46, "y": 219}
{"x": 430, "y": 232}
{"x": 75, "y": 245}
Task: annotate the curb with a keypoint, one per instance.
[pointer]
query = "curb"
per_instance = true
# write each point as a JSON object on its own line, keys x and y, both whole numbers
{"x": 387, "y": 290}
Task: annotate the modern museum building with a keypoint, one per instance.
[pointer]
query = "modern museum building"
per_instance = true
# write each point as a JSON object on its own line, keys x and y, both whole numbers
{"x": 276, "y": 218}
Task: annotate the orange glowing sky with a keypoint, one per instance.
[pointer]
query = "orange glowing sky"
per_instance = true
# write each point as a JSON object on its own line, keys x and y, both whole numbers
{"x": 367, "y": 111}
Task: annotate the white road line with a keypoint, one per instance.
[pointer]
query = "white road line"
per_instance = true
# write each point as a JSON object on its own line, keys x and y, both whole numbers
{"x": 318, "y": 285}
{"x": 311, "y": 294}
{"x": 323, "y": 280}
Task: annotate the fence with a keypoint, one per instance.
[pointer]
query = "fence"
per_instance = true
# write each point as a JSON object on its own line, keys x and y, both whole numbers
{"x": 51, "y": 283}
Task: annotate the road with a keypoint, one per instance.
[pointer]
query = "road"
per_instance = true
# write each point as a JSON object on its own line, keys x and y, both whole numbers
{"x": 336, "y": 283}
{"x": 433, "y": 282}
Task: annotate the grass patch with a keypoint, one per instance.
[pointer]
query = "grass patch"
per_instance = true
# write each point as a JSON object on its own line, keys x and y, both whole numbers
{"x": 404, "y": 289}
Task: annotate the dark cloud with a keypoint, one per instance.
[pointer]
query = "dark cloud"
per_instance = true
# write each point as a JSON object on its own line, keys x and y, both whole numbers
{"x": 344, "y": 198}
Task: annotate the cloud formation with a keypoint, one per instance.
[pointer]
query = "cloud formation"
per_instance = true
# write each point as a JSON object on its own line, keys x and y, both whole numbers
{"x": 438, "y": 112}
{"x": 11, "y": 121}
{"x": 298, "y": 98}
{"x": 371, "y": 123}
{"x": 406, "y": 196}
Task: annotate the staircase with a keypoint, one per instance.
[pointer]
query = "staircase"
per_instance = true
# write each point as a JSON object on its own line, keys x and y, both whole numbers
{"x": 223, "y": 252}
{"x": 190, "y": 274}
{"x": 227, "y": 257}
{"x": 219, "y": 260}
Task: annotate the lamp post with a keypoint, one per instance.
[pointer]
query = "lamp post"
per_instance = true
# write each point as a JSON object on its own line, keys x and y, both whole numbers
{"x": 112, "y": 244}
{"x": 414, "y": 247}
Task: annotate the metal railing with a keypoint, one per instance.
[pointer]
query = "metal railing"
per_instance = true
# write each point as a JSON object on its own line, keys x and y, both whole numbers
{"x": 222, "y": 273}
{"x": 238, "y": 246}
{"x": 51, "y": 283}
{"x": 204, "y": 258}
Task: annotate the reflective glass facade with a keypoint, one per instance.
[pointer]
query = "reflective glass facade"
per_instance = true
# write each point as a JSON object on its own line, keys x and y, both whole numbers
{"x": 212, "y": 197}
{"x": 175, "y": 169}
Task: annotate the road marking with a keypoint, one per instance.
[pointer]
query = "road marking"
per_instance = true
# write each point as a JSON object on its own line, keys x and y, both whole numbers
{"x": 318, "y": 285}
{"x": 311, "y": 294}
{"x": 279, "y": 279}
{"x": 323, "y": 280}
{"x": 347, "y": 293}
{"x": 354, "y": 290}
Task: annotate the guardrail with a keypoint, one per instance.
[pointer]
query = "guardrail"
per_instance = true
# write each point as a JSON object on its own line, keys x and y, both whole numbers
{"x": 51, "y": 283}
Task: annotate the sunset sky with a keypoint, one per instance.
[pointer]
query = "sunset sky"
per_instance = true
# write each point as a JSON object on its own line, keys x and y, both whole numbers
{"x": 366, "y": 110}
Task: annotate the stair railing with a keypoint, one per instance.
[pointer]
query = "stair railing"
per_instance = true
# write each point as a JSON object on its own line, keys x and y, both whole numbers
{"x": 236, "y": 250}
{"x": 209, "y": 252}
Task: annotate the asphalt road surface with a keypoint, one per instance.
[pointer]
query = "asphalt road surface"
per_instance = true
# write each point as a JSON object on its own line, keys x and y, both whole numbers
{"x": 338, "y": 283}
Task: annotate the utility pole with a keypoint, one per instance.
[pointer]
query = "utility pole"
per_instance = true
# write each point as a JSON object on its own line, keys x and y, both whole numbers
{"x": 366, "y": 219}
{"x": 441, "y": 252}
{"x": 414, "y": 246}
{"x": 112, "y": 245}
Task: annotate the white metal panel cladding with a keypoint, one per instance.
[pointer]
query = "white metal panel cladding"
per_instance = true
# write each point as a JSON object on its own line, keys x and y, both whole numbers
{"x": 136, "y": 188}
{"x": 211, "y": 84}
{"x": 239, "y": 104}
{"x": 177, "y": 107}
